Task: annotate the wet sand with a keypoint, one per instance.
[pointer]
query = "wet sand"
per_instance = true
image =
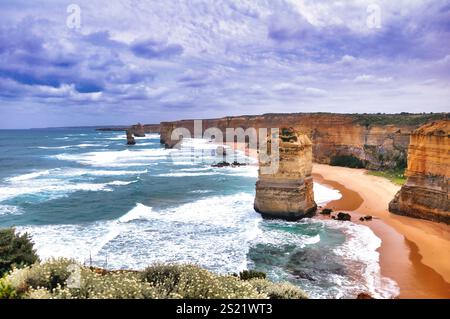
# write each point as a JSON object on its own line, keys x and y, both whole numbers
{"x": 415, "y": 253}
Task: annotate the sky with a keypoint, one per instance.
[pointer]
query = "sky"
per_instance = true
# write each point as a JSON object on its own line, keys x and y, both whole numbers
{"x": 103, "y": 62}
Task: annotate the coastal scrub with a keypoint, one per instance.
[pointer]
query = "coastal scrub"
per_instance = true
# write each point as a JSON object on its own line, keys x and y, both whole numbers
{"x": 66, "y": 279}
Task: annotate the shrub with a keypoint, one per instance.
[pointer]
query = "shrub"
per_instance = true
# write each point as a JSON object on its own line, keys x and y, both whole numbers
{"x": 50, "y": 275}
{"x": 113, "y": 285}
{"x": 15, "y": 250}
{"x": 184, "y": 281}
{"x": 51, "y": 280}
{"x": 165, "y": 277}
{"x": 282, "y": 290}
{"x": 347, "y": 161}
{"x": 190, "y": 281}
{"x": 7, "y": 291}
{"x": 250, "y": 274}
{"x": 234, "y": 288}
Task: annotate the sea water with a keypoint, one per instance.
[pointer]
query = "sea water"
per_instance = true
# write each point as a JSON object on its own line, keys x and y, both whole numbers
{"x": 85, "y": 195}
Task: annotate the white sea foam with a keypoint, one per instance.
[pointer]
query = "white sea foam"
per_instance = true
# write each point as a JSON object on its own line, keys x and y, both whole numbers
{"x": 200, "y": 191}
{"x": 214, "y": 232}
{"x": 146, "y": 144}
{"x": 121, "y": 183}
{"x": 52, "y": 188}
{"x": 125, "y": 158}
{"x": 63, "y": 147}
{"x": 48, "y": 188}
{"x": 279, "y": 238}
{"x": 139, "y": 212}
{"x": 73, "y": 172}
{"x": 54, "y": 147}
{"x": 28, "y": 176}
{"x": 187, "y": 174}
{"x": 323, "y": 194}
{"x": 361, "y": 246}
{"x": 10, "y": 210}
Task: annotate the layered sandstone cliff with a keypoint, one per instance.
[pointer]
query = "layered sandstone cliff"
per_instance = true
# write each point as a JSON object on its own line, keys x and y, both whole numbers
{"x": 366, "y": 140}
{"x": 286, "y": 190}
{"x": 148, "y": 128}
{"x": 426, "y": 192}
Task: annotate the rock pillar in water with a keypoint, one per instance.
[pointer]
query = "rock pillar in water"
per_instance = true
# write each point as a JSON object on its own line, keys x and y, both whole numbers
{"x": 130, "y": 138}
{"x": 287, "y": 193}
{"x": 138, "y": 130}
{"x": 425, "y": 193}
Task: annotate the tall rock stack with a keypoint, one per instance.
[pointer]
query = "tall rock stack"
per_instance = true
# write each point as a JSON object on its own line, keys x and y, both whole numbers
{"x": 138, "y": 130}
{"x": 287, "y": 193}
{"x": 130, "y": 138}
{"x": 425, "y": 193}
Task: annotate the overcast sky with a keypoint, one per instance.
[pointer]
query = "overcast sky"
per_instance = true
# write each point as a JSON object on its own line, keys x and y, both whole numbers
{"x": 150, "y": 61}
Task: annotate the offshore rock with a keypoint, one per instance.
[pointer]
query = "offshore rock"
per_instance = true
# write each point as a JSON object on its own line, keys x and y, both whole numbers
{"x": 287, "y": 193}
{"x": 130, "y": 138}
{"x": 138, "y": 130}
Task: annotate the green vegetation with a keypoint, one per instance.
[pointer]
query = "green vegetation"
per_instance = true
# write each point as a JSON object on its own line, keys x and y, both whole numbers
{"x": 252, "y": 274}
{"x": 347, "y": 161}
{"x": 15, "y": 250}
{"x": 396, "y": 176}
{"x": 397, "y": 119}
{"x": 288, "y": 135}
{"x": 24, "y": 277}
{"x": 66, "y": 279}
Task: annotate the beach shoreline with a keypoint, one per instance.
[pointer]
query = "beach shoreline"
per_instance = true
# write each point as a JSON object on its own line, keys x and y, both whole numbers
{"x": 414, "y": 253}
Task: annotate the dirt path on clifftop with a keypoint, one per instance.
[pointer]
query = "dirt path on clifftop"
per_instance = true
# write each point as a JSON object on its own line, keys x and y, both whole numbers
{"x": 415, "y": 253}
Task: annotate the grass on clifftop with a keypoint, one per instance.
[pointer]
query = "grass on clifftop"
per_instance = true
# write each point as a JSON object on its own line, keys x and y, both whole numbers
{"x": 395, "y": 176}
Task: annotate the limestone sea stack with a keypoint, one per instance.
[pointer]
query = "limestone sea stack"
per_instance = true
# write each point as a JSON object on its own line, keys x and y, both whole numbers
{"x": 287, "y": 193}
{"x": 130, "y": 138}
{"x": 138, "y": 130}
{"x": 425, "y": 193}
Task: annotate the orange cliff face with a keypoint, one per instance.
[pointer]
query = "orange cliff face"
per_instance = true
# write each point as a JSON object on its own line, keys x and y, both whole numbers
{"x": 425, "y": 194}
{"x": 372, "y": 141}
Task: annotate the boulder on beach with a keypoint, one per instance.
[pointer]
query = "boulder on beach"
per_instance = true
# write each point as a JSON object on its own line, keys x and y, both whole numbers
{"x": 344, "y": 216}
{"x": 364, "y": 295}
{"x": 326, "y": 211}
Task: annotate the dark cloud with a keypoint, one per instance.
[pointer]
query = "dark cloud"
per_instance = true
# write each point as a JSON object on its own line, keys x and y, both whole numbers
{"x": 224, "y": 58}
{"x": 151, "y": 49}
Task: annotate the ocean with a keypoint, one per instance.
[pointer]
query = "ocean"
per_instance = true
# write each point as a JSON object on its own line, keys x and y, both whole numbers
{"x": 84, "y": 194}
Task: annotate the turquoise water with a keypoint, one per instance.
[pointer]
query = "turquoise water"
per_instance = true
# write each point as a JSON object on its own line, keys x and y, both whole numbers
{"x": 86, "y": 195}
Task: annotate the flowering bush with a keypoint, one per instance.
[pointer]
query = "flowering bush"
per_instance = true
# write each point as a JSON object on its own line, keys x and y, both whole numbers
{"x": 65, "y": 279}
{"x": 282, "y": 290}
{"x": 189, "y": 281}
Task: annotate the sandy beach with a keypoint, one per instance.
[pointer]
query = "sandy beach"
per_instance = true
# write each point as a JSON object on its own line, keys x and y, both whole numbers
{"x": 415, "y": 253}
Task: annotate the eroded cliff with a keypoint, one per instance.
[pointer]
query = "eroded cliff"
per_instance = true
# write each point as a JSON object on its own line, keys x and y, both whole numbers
{"x": 286, "y": 190}
{"x": 363, "y": 140}
{"x": 425, "y": 194}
